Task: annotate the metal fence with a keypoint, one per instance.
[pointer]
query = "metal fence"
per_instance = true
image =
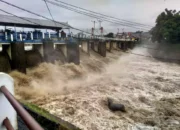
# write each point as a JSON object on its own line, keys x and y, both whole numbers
{"x": 26, "y": 117}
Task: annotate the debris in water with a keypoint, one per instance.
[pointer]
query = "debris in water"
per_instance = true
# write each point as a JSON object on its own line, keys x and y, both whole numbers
{"x": 115, "y": 106}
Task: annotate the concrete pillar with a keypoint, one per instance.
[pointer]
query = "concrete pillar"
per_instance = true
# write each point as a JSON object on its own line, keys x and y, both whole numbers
{"x": 5, "y": 58}
{"x": 48, "y": 50}
{"x": 99, "y": 47}
{"x": 134, "y": 43}
{"x": 128, "y": 44}
{"x": 121, "y": 45}
{"x": 96, "y": 46}
{"x": 18, "y": 56}
{"x": 131, "y": 45}
{"x": 92, "y": 46}
{"x": 62, "y": 52}
{"x": 7, "y": 50}
{"x": 108, "y": 46}
{"x": 124, "y": 46}
{"x": 102, "y": 48}
{"x": 115, "y": 45}
{"x": 118, "y": 45}
{"x": 85, "y": 46}
{"x": 73, "y": 54}
{"x": 111, "y": 46}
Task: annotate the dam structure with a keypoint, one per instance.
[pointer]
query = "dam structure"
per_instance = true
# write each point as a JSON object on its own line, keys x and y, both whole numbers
{"x": 20, "y": 49}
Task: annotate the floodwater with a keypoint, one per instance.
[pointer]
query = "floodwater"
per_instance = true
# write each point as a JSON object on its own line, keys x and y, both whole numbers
{"x": 149, "y": 89}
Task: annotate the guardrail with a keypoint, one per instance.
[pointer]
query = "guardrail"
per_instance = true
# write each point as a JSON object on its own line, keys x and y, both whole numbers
{"x": 62, "y": 40}
{"x": 10, "y": 107}
{"x": 8, "y": 124}
{"x": 26, "y": 117}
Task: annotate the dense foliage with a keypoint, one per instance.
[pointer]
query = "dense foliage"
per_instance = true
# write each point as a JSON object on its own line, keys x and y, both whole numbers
{"x": 110, "y": 35}
{"x": 167, "y": 27}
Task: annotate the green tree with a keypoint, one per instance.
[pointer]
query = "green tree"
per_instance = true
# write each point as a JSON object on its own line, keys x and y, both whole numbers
{"x": 167, "y": 27}
{"x": 110, "y": 35}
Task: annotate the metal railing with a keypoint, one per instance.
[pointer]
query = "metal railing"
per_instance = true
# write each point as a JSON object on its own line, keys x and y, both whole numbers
{"x": 7, "y": 124}
{"x": 26, "y": 117}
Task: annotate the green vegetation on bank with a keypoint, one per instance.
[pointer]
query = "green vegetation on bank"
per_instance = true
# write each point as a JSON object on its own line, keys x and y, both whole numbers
{"x": 167, "y": 27}
{"x": 47, "y": 120}
{"x": 39, "y": 110}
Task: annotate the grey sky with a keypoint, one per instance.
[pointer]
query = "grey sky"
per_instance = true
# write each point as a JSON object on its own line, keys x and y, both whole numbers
{"x": 142, "y": 11}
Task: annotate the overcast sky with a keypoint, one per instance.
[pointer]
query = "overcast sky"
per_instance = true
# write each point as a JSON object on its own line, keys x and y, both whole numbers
{"x": 141, "y": 11}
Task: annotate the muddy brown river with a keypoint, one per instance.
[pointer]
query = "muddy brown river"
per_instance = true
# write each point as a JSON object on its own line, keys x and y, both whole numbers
{"x": 149, "y": 89}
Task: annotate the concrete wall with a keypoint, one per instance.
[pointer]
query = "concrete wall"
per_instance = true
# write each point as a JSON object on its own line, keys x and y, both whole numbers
{"x": 48, "y": 48}
{"x": 96, "y": 46}
{"x": 131, "y": 45}
{"x": 115, "y": 47}
{"x": 14, "y": 56}
{"x": 99, "y": 47}
{"x": 102, "y": 48}
{"x": 45, "y": 119}
{"x": 5, "y": 62}
{"x": 18, "y": 58}
{"x": 85, "y": 46}
{"x": 108, "y": 46}
{"x": 92, "y": 45}
{"x": 73, "y": 55}
{"x": 62, "y": 49}
{"x": 124, "y": 46}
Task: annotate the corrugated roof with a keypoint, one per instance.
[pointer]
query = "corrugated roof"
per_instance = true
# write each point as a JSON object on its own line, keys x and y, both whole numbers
{"x": 7, "y": 20}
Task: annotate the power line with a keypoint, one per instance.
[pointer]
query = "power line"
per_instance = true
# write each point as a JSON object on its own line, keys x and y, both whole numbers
{"x": 49, "y": 11}
{"x": 94, "y": 22}
{"x": 8, "y": 17}
{"x": 93, "y": 16}
{"x": 100, "y": 13}
{"x": 19, "y": 17}
{"x": 40, "y": 15}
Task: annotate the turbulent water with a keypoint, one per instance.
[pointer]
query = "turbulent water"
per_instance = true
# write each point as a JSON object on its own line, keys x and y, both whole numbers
{"x": 149, "y": 89}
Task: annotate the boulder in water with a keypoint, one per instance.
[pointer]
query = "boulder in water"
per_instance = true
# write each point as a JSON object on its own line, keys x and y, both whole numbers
{"x": 115, "y": 106}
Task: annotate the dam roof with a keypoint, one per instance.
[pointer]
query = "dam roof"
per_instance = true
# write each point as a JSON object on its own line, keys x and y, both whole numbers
{"x": 7, "y": 20}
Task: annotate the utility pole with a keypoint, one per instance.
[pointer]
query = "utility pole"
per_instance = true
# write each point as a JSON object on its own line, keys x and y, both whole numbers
{"x": 100, "y": 21}
{"x": 94, "y": 23}
{"x": 122, "y": 30}
{"x": 93, "y": 29}
{"x": 100, "y": 27}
